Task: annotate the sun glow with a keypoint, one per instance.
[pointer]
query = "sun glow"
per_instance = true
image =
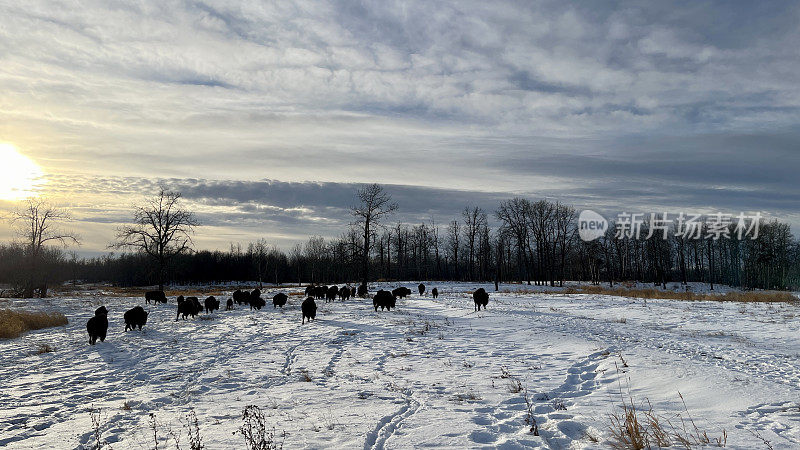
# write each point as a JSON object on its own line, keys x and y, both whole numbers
{"x": 19, "y": 175}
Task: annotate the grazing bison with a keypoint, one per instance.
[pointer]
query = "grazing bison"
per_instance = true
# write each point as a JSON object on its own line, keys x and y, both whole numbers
{"x": 155, "y": 297}
{"x": 97, "y": 326}
{"x": 240, "y": 296}
{"x": 189, "y": 306}
{"x": 135, "y": 317}
{"x": 421, "y": 289}
{"x": 344, "y": 293}
{"x": 197, "y": 308}
{"x": 481, "y": 298}
{"x": 401, "y": 292}
{"x": 384, "y": 300}
{"x": 330, "y": 296}
{"x": 211, "y": 304}
{"x": 279, "y": 300}
{"x": 435, "y": 293}
{"x": 256, "y": 302}
{"x": 320, "y": 291}
{"x": 309, "y": 308}
{"x": 229, "y": 304}
{"x": 362, "y": 290}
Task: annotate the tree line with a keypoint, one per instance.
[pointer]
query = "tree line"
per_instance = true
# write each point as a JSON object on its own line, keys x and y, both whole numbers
{"x": 524, "y": 241}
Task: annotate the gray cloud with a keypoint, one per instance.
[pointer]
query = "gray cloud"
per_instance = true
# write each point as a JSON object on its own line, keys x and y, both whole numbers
{"x": 600, "y": 103}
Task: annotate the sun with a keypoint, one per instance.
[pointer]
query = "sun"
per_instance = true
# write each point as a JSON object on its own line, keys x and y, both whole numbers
{"x": 19, "y": 175}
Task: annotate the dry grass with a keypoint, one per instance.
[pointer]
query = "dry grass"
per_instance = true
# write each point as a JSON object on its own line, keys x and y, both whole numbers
{"x": 44, "y": 348}
{"x": 13, "y": 322}
{"x": 641, "y": 428}
{"x": 737, "y": 296}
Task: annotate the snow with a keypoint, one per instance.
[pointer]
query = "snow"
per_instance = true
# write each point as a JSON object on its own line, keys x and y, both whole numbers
{"x": 432, "y": 373}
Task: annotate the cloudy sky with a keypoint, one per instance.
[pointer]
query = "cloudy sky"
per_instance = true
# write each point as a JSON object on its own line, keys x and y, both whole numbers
{"x": 268, "y": 115}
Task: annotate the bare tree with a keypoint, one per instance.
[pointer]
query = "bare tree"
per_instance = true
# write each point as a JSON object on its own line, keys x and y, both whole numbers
{"x": 375, "y": 204}
{"x": 37, "y": 224}
{"x": 474, "y": 220}
{"x": 315, "y": 250}
{"x": 161, "y": 229}
{"x": 454, "y": 243}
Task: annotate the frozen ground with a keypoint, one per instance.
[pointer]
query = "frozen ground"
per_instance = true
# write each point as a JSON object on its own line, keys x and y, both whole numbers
{"x": 433, "y": 373}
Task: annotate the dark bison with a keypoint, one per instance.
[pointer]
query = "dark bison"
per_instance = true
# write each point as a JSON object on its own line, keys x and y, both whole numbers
{"x": 332, "y": 293}
{"x": 240, "y": 296}
{"x": 189, "y": 306}
{"x": 401, "y": 292}
{"x": 481, "y": 299}
{"x": 256, "y": 302}
{"x": 155, "y": 297}
{"x": 279, "y": 300}
{"x": 344, "y": 293}
{"x": 421, "y": 289}
{"x": 97, "y": 326}
{"x": 320, "y": 292}
{"x": 362, "y": 290}
{"x": 229, "y": 304}
{"x": 310, "y": 290}
{"x": 435, "y": 292}
{"x": 309, "y": 308}
{"x": 384, "y": 300}
{"x": 196, "y": 306}
{"x": 135, "y": 317}
{"x": 211, "y": 304}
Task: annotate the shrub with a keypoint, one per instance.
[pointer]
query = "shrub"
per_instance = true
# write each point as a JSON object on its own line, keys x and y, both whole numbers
{"x": 13, "y": 323}
{"x": 254, "y": 431}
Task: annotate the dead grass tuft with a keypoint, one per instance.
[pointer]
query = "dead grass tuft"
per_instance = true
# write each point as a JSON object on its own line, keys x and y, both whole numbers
{"x": 13, "y": 323}
{"x": 637, "y": 428}
{"x": 44, "y": 348}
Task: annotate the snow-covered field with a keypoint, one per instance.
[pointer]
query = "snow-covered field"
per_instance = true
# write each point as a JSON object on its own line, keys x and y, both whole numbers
{"x": 433, "y": 373}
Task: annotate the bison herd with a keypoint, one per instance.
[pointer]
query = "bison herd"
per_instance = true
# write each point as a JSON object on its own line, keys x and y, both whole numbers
{"x": 136, "y": 317}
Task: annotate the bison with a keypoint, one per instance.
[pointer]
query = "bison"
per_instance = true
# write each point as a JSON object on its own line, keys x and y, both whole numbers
{"x": 320, "y": 291}
{"x": 97, "y": 326}
{"x": 481, "y": 298}
{"x": 421, "y": 289}
{"x": 309, "y": 308}
{"x": 135, "y": 317}
{"x": 229, "y": 304}
{"x": 362, "y": 290}
{"x": 310, "y": 290}
{"x": 344, "y": 293}
{"x": 401, "y": 292}
{"x": 240, "y": 296}
{"x": 155, "y": 297}
{"x": 256, "y": 302}
{"x": 384, "y": 300}
{"x": 279, "y": 300}
{"x": 189, "y": 306}
{"x": 435, "y": 293}
{"x": 330, "y": 296}
{"x": 211, "y": 304}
